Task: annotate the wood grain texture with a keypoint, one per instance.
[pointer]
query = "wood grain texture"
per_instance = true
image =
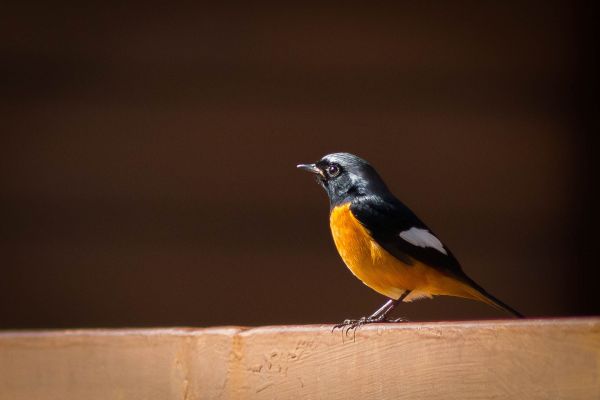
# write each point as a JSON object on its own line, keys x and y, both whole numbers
{"x": 531, "y": 359}
{"x": 114, "y": 364}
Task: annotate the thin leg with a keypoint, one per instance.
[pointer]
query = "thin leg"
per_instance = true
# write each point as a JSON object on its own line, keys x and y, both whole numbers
{"x": 380, "y": 314}
{"x": 384, "y": 309}
{"x": 377, "y": 316}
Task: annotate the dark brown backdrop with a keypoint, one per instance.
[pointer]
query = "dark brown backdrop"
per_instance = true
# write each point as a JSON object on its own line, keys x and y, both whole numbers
{"x": 147, "y": 156}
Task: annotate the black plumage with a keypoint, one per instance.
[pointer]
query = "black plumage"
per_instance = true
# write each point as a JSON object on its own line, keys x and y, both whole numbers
{"x": 350, "y": 180}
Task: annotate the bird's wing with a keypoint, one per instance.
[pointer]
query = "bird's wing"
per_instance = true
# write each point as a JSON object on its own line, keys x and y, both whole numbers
{"x": 400, "y": 232}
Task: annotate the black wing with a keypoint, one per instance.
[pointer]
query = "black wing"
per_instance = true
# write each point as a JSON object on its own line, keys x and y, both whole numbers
{"x": 388, "y": 221}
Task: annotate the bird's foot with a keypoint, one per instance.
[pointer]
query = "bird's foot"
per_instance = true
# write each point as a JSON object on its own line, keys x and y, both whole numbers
{"x": 353, "y": 324}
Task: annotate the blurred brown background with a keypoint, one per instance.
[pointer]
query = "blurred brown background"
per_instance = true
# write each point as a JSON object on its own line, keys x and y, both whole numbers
{"x": 148, "y": 156}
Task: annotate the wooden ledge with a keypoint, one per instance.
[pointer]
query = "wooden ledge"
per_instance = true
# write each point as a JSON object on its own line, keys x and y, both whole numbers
{"x": 524, "y": 359}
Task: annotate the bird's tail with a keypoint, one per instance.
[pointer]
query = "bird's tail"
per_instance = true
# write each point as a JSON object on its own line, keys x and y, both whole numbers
{"x": 476, "y": 292}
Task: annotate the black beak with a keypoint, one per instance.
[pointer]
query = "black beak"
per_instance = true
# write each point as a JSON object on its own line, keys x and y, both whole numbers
{"x": 311, "y": 168}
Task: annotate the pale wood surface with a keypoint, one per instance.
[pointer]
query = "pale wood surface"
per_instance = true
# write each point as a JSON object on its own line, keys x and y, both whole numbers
{"x": 531, "y": 359}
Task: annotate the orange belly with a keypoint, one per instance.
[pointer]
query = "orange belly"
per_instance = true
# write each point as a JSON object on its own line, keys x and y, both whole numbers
{"x": 381, "y": 271}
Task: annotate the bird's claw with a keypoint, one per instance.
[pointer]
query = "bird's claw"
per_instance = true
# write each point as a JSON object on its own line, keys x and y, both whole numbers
{"x": 353, "y": 324}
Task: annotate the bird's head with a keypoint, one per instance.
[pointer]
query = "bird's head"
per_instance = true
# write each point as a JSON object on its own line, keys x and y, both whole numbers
{"x": 345, "y": 176}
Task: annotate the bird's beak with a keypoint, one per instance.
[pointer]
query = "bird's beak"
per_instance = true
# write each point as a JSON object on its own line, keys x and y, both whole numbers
{"x": 311, "y": 168}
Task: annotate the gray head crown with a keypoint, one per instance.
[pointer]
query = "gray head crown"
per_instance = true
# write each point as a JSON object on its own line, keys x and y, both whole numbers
{"x": 345, "y": 176}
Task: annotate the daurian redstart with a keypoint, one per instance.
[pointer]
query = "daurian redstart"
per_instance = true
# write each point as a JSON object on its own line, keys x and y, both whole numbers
{"x": 383, "y": 242}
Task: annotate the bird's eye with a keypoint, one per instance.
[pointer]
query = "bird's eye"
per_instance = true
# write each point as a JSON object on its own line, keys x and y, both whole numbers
{"x": 333, "y": 170}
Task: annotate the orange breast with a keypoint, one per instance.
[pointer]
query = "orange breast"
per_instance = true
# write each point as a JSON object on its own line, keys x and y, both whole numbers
{"x": 378, "y": 269}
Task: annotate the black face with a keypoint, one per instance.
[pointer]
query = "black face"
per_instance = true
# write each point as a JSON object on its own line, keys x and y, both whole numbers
{"x": 345, "y": 176}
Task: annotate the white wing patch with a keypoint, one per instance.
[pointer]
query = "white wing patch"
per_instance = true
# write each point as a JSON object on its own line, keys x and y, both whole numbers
{"x": 423, "y": 238}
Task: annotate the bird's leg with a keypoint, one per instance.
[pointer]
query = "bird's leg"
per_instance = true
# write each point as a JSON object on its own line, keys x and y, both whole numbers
{"x": 377, "y": 316}
{"x": 383, "y": 310}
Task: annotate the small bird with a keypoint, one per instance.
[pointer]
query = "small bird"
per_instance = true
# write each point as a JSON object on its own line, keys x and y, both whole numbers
{"x": 384, "y": 244}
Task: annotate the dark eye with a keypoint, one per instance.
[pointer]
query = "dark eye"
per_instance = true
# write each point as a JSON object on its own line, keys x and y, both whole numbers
{"x": 333, "y": 170}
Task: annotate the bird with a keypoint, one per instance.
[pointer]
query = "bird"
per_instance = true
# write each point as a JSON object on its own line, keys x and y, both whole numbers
{"x": 384, "y": 244}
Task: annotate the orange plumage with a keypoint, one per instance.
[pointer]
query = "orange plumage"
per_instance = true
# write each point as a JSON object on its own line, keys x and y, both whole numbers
{"x": 383, "y": 272}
